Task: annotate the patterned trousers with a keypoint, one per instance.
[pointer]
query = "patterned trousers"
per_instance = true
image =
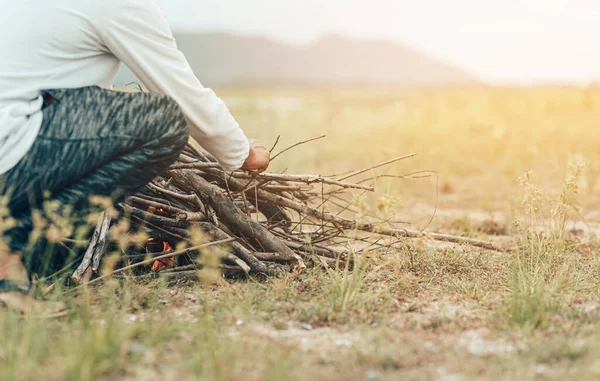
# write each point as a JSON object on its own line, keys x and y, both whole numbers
{"x": 93, "y": 142}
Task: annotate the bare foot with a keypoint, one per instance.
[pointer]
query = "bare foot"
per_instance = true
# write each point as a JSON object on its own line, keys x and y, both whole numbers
{"x": 28, "y": 306}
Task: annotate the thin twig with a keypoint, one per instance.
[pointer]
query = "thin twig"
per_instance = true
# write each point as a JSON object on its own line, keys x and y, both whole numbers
{"x": 388, "y": 162}
{"x": 296, "y": 145}
{"x": 414, "y": 175}
{"x": 437, "y": 199}
{"x": 275, "y": 145}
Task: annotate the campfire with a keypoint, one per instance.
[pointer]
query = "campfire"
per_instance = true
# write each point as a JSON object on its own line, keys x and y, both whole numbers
{"x": 273, "y": 223}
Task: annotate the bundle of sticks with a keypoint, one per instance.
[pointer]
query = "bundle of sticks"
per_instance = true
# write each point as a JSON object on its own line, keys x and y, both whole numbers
{"x": 272, "y": 223}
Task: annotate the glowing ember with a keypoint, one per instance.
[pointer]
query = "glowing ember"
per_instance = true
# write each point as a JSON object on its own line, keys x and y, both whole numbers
{"x": 162, "y": 264}
{"x": 158, "y": 211}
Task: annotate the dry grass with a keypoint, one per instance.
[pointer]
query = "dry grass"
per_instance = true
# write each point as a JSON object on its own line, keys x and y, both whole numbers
{"x": 425, "y": 312}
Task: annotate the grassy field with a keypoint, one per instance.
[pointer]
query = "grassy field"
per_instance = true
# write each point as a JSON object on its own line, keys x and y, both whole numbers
{"x": 517, "y": 167}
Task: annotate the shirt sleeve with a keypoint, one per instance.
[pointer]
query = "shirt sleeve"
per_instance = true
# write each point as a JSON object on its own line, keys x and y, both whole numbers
{"x": 139, "y": 35}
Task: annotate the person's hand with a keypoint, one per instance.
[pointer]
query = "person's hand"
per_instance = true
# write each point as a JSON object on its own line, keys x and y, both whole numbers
{"x": 258, "y": 159}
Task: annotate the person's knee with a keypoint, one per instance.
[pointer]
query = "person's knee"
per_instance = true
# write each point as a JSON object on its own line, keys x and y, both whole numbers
{"x": 176, "y": 128}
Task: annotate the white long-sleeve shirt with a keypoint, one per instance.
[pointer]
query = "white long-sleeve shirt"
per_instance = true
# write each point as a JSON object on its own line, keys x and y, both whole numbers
{"x": 50, "y": 44}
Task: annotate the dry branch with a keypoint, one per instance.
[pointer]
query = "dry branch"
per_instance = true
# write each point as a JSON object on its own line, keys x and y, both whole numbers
{"x": 95, "y": 251}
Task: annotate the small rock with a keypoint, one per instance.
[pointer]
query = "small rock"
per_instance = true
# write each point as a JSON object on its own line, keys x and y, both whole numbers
{"x": 306, "y": 326}
{"x": 541, "y": 368}
{"x": 589, "y": 308}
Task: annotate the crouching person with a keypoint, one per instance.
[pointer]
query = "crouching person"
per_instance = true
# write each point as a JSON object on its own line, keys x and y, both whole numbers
{"x": 65, "y": 137}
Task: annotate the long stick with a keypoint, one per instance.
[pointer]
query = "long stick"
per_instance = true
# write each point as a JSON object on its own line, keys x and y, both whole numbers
{"x": 308, "y": 179}
{"x": 199, "y": 165}
{"x": 377, "y": 166}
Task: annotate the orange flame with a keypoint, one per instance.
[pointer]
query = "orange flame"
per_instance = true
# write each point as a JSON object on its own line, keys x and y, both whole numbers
{"x": 164, "y": 264}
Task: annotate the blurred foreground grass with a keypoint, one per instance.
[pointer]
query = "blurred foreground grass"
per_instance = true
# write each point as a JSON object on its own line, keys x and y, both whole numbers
{"x": 425, "y": 312}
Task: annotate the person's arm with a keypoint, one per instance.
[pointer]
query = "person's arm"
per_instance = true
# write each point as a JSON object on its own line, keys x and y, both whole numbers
{"x": 139, "y": 35}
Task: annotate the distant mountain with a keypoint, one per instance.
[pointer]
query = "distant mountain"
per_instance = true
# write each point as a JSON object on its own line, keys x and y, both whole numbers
{"x": 221, "y": 59}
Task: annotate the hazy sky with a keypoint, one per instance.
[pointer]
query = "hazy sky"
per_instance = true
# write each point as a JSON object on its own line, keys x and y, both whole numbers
{"x": 500, "y": 41}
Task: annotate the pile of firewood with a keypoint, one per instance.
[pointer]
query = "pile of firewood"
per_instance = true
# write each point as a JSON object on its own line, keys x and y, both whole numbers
{"x": 271, "y": 223}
